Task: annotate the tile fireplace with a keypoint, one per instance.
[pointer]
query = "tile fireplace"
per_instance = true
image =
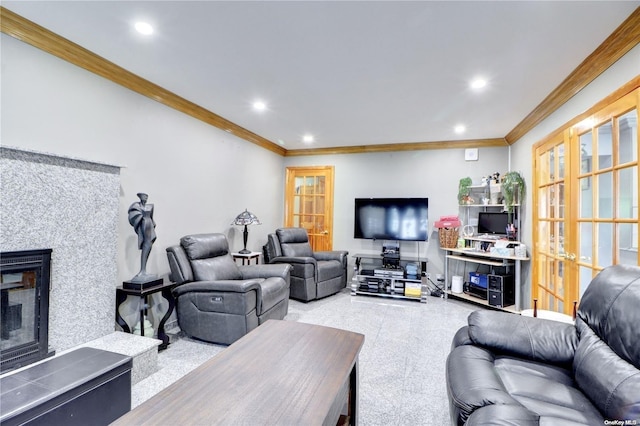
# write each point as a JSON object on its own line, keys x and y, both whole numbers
{"x": 24, "y": 307}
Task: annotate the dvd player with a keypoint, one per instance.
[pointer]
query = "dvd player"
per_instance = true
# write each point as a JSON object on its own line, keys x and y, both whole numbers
{"x": 385, "y": 272}
{"x": 477, "y": 291}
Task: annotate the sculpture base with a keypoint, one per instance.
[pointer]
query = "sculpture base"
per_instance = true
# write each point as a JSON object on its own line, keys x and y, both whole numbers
{"x": 141, "y": 285}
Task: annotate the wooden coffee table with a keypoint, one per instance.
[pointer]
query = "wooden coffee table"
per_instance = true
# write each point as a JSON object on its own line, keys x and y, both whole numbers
{"x": 283, "y": 372}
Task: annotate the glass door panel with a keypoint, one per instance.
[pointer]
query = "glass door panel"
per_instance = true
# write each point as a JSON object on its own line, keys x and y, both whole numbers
{"x": 628, "y": 193}
{"x": 627, "y": 243}
{"x": 605, "y": 195}
{"x": 628, "y": 136}
{"x": 605, "y": 153}
{"x": 586, "y": 242}
{"x": 605, "y": 244}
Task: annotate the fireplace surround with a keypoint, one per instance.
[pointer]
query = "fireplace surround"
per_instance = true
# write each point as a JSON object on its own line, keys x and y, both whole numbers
{"x": 72, "y": 207}
{"x": 24, "y": 308}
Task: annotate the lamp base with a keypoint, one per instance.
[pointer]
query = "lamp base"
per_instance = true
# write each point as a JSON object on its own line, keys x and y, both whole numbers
{"x": 244, "y": 251}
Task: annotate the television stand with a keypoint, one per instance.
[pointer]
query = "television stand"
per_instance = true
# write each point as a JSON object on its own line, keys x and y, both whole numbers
{"x": 373, "y": 276}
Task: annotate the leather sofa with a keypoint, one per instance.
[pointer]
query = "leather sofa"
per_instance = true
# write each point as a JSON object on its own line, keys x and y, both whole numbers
{"x": 315, "y": 274}
{"x": 514, "y": 370}
{"x": 218, "y": 301}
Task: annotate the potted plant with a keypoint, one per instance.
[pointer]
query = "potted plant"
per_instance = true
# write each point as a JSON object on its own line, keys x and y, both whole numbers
{"x": 463, "y": 190}
{"x": 513, "y": 189}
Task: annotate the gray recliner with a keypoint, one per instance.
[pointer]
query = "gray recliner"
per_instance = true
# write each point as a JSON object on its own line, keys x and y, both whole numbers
{"x": 218, "y": 301}
{"x": 315, "y": 274}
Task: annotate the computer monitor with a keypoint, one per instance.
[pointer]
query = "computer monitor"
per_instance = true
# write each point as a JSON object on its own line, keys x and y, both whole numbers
{"x": 493, "y": 223}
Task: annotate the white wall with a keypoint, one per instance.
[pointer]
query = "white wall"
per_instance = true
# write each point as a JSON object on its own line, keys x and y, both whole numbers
{"x": 198, "y": 177}
{"x": 429, "y": 173}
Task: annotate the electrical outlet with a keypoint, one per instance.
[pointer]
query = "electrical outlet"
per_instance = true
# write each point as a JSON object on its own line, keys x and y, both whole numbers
{"x": 427, "y": 275}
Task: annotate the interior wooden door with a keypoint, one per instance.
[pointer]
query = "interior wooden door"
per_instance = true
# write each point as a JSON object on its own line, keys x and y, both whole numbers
{"x": 552, "y": 273}
{"x": 607, "y": 189}
{"x": 309, "y": 203}
{"x": 586, "y": 197}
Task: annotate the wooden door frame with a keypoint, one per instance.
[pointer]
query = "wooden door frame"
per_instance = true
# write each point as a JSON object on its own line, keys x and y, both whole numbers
{"x": 570, "y": 269}
{"x": 290, "y": 172}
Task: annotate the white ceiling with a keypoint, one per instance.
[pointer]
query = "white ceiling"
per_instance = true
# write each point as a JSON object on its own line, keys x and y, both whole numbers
{"x": 348, "y": 72}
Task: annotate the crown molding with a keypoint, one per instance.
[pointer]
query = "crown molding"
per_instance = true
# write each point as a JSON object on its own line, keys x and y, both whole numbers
{"x": 31, "y": 33}
{"x": 623, "y": 39}
{"x": 407, "y": 146}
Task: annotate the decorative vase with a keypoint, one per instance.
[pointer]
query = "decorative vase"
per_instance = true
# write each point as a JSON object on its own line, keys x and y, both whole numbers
{"x": 495, "y": 189}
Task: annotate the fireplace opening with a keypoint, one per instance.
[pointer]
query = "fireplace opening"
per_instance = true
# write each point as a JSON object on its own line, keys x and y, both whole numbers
{"x": 24, "y": 307}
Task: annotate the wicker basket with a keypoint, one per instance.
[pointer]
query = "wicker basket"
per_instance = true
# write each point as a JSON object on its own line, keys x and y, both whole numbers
{"x": 448, "y": 237}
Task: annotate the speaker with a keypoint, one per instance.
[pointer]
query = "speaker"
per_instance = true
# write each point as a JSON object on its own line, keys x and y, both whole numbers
{"x": 501, "y": 290}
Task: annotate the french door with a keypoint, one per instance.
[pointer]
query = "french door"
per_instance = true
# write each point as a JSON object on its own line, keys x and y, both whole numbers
{"x": 551, "y": 269}
{"x": 586, "y": 198}
{"x": 309, "y": 203}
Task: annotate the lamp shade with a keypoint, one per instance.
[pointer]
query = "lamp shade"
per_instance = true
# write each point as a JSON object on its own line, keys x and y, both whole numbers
{"x": 246, "y": 218}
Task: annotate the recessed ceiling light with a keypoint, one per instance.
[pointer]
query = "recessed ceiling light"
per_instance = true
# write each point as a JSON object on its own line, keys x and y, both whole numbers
{"x": 478, "y": 83}
{"x": 259, "y": 106}
{"x": 144, "y": 28}
{"x": 459, "y": 129}
{"x": 307, "y": 138}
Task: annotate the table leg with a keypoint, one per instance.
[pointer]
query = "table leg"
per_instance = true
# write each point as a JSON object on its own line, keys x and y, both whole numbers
{"x": 166, "y": 293}
{"x": 121, "y": 296}
{"x": 446, "y": 274}
{"x": 517, "y": 286}
{"x": 143, "y": 310}
{"x": 353, "y": 395}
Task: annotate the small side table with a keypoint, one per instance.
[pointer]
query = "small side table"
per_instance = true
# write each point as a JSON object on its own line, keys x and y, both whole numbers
{"x": 247, "y": 257}
{"x": 164, "y": 289}
{"x": 550, "y": 315}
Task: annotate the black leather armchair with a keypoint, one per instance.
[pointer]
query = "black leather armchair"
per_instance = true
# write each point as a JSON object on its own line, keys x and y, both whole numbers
{"x": 510, "y": 369}
{"x": 315, "y": 274}
{"x": 218, "y": 301}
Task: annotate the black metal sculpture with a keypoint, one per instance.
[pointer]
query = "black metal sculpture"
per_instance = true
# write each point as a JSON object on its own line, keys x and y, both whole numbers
{"x": 141, "y": 218}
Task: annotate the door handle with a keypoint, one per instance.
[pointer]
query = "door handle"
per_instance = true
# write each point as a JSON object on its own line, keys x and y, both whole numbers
{"x": 325, "y": 232}
{"x": 568, "y": 256}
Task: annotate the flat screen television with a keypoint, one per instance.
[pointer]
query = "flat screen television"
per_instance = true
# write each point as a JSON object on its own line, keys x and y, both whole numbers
{"x": 493, "y": 223}
{"x": 403, "y": 219}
